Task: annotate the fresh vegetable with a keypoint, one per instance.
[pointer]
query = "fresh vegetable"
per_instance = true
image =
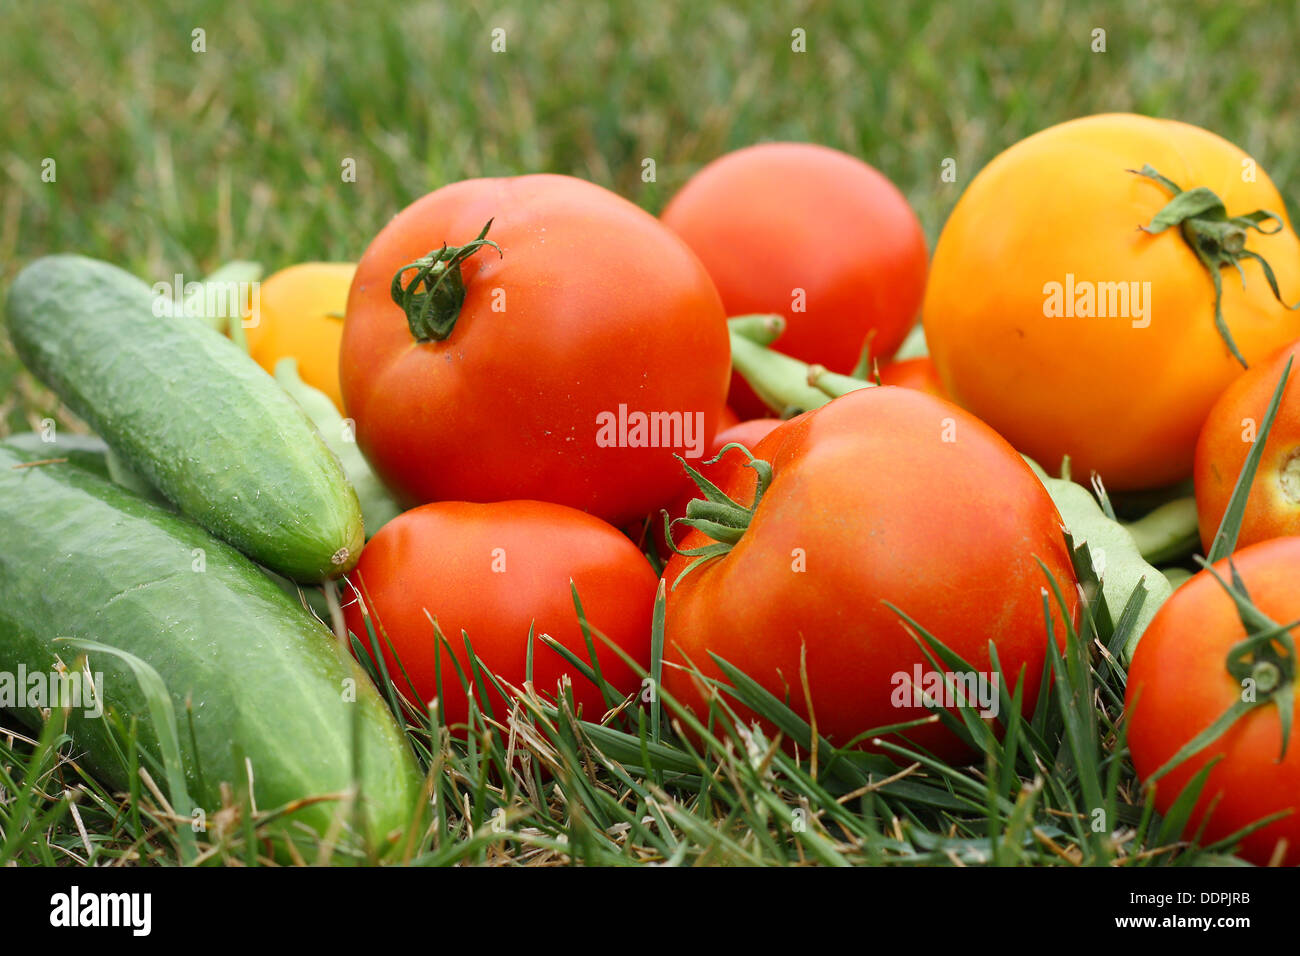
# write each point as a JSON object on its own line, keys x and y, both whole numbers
{"x": 727, "y": 419}
{"x": 1229, "y": 433}
{"x": 821, "y": 545}
{"x": 377, "y": 506}
{"x": 300, "y": 316}
{"x": 784, "y": 384}
{"x": 569, "y": 347}
{"x": 505, "y": 575}
{"x": 189, "y": 412}
{"x": 89, "y": 452}
{"x": 812, "y": 234}
{"x": 1068, "y": 309}
{"x": 918, "y": 373}
{"x": 1213, "y": 682}
{"x": 1167, "y": 532}
{"x": 763, "y": 328}
{"x": 1115, "y": 550}
{"x": 224, "y": 298}
{"x": 1113, "y": 554}
{"x": 85, "y": 451}
{"x": 718, "y": 467}
{"x": 250, "y": 675}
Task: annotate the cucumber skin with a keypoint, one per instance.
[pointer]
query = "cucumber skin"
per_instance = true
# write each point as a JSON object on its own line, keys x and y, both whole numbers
{"x": 81, "y": 557}
{"x": 84, "y": 451}
{"x": 190, "y": 412}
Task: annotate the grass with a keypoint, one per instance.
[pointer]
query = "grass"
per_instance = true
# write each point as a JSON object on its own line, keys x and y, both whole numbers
{"x": 170, "y": 160}
{"x": 535, "y": 783}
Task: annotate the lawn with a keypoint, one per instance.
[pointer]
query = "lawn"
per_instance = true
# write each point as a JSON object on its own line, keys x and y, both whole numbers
{"x": 170, "y": 159}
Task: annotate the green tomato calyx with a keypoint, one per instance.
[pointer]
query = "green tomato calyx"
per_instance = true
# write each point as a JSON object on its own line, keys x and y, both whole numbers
{"x": 433, "y": 297}
{"x": 1263, "y": 664}
{"x": 1217, "y": 239}
{"x": 717, "y": 514}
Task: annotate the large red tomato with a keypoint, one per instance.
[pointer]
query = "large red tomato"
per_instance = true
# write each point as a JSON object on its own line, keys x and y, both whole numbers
{"x": 814, "y": 235}
{"x": 566, "y": 365}
{"x": 1179, "y": 684}
{"x": 1230, "y": 431}
{"x": 885, "y": 494}
{"x": 494, "y": 571}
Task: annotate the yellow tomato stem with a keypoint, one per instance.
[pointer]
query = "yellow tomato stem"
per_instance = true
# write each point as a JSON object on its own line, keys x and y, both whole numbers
{"x": 1217, "y": 239}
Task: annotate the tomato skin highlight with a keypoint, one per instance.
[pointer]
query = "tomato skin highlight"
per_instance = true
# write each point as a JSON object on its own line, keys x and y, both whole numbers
{"x": 1125, "y": 400}
{"x": 592, "y": 305}
{"x": 948, "y": 532}
{"x": 300, "y": 315}
{"x": 774, "y": 218}
{"x": 493, "y": 570}
{"x": 1178, "y": 685}
{"x": 1273, "y": 508}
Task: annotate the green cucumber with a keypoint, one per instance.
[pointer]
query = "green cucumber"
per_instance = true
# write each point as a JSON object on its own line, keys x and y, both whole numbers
{"x": 256, "y": 677}
{"x": 378, "y": 507}
{"x": 84, "y": 451}
{"x": 189, "y": 412}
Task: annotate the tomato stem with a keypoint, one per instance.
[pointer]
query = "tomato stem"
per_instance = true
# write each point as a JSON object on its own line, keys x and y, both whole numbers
{"x": 717, "y": 514}
{"x": 432, "y": 299}
{"x": 760, "y": 327}
{"x": 785, "y": 384}
{"x": 1264, "y": 664}
{"x": 1217, "y": 239}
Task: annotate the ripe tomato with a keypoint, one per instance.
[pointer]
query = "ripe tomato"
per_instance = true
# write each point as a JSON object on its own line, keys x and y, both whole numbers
{"x": 584, "y": 353}
{"x": 1179, "y": 684}
{"x": 918, "y": 373}
{"x": 1049, "y": 231}
{"x": 727, "y": 418}
{"x": 885, "y": 494}
{"x": 1273, "y": 508}
{"x": 301, "y": 316}
{"x": 493, "y": 571}
{"x": 814, "y": 235}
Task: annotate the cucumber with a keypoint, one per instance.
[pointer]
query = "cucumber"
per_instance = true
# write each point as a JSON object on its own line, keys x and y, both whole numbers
{"x": 189, "y": 412}
{"x": 378, "y": 507}
{"x": 84, "y": 451}
{"x": 255, "y": 676}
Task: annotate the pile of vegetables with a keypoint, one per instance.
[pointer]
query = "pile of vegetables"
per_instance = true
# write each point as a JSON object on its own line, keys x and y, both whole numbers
{"x": 538, "y": 445}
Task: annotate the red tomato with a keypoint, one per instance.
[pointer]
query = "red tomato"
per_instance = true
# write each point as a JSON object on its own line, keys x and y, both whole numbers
{"x": 814, "y": 235}
{"x": 1179, "y": 685}
{"x": 918, "y": 373}
{"x": 1273, "y": 508}
{"x": 494, "y": 571}
{"x": 749, "y": 434}
{"x": 885, "y": 494}
{"x": 727, "y": 418}
{"x": 592, "y": 319}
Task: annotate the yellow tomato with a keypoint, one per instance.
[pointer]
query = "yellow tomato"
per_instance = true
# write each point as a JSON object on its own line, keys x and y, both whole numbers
{"x": 1054, "y": 317}
{"x": 300, "y": 315}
